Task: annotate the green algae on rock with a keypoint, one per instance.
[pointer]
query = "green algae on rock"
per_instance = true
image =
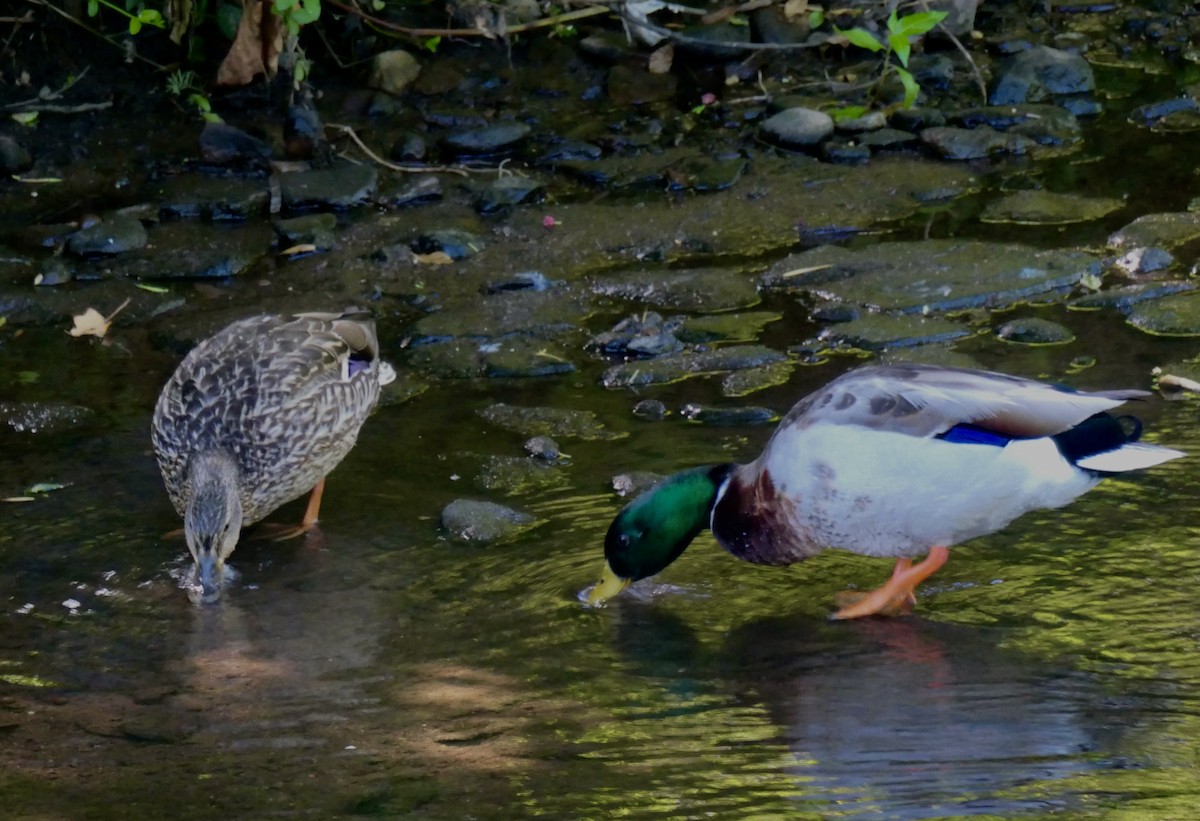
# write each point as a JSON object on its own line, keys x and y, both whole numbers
{"x": 1048, "y": 208}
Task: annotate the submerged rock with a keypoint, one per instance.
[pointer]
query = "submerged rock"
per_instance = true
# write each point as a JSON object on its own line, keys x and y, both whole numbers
{"x": 515, "y": 475}
{"x": 115, "y": 234}
{"x": 877, "y": 332}
{"x": 705, "y": 289}
{"x": 563, "y": 422}
{"x": 728, "y": 417}
{"x": 1032, "y": 330}
{"x": 224, "y": 144}
{"x": 340, "y": 187}
{"x": 1047, "y": 208}
{"x": 471, "y": 520}
{"x": 751, "y": 380}
{"x": 393, "y": 71}
{"x": 1177, "y": 315}
{"x": 974, "y": 143}
{"x": 1167, "y": 230}
{"x": 687, "y": 364}
{"x": 500, "y": 138}
{"x": 933, "y": 275}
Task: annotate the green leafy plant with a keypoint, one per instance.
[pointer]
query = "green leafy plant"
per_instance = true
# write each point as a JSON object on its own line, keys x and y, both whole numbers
{"x": 900, "y": 33}
{"x": 181, "y": 82}
{"x": 135, "y": 10}
{"x": 297, "y": 13}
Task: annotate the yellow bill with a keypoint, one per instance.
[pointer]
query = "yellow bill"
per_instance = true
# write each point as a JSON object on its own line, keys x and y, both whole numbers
{"x": 610, "y": 584}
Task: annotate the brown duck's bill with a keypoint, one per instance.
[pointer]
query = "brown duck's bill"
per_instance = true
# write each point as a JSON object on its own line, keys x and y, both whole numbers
{"x": 610, "y": 584}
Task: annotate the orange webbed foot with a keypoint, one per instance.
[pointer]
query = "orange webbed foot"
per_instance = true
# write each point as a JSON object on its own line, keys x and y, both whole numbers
{"x": 897, "y": 594}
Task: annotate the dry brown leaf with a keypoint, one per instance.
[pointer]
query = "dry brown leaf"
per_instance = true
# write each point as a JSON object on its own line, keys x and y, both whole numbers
{"x": 255, "y": 48}
{"x": 436, "y": 258}
{"x": 795, "y": 8}
{"x": 296, "y": 250}
{"x": 93, "y": 323}
{"x": 661, "y": 59}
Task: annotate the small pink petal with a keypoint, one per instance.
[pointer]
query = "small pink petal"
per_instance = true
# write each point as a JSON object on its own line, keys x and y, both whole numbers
{"x": 709, "y": 98}
{"x": 549, "y": 221}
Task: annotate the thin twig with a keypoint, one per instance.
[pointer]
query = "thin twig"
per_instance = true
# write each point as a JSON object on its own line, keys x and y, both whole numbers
{"x": 974, "y": 68}
{"x": 66, "y": 109}
{"x": 53, "y": 95}
{"x": 408, "y": 169}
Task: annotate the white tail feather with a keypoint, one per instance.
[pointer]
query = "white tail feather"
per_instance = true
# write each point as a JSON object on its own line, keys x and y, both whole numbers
{"x": 1130, "y": 456}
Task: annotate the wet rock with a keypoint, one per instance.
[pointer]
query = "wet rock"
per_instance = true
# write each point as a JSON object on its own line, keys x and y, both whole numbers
{"x": 608, "y": 47}
{"x": 186, "y": 250}
{"x": 727, "y": 417}
{"x": 569, "y": 151}
{"x": 419, "y": 191}
{"x": 561, "y": 422}
{"x": 770, "y": 25}
{"x": 1038, "y": 73}
{"x": 687, "y": 364}
{"x": 635, "y": 483}
{"x": 870, "y": 121}
{"x": 1181, "y": 114}
{"x": 519, "y": 475}
{"x": 311, "y": 229}
{"x": 1047, "y": 208}
{"x": 1123, "y": 299}
{"x": 302, "y": 130}
{"x": 752, "y": 380}
{"x": 411, "y": 147}
{"x": 158, "y": 728}
{"x": 116, "y": 234}
{"x": 452, "y": 242}
{"x": 917, "y": 119}
{"x": 340, "y": 187}
{"x": 1177, "y": 315}
{"x": 646, "y": 334}
{"x": 1044, "y": 124}
{"x": 974, "y": 143}
{"x": 1035, "y": 331}
{"x": 508, "y": 357}
{"x": 934, "y": 275}
{"x": 548, "y": 315}
{"x": 223, "y": 144}
{"x": 629, "y": 86}
{"x": 887, "y": 138}
{"x": 220, "y": 199}
{"x": 14, "y": 157}
{"x": 521, "y": 281}
{"x": 471, "y": 520}
{"x": 1142, "y": 261}
{"x": 393, "y": 71}
{"x": 718, "y": 175}
{"x": 651, "y": 410}
{"x": 504, "y": 192}
{"x": 840, "y": 149}
{"x": 43, "y": 418}
{"x": 439, "y": 78}
{"x": 714, "y": 289}
{"x": 741, "y": 326}
{"x": 714, "y": 41}
{"x": 877, "y": 332}
{"x": 501, "y": 138}
{"x": 544, "y": 448}
{"x": 1168, "y": 230}
{"x": 54, "y": 271}
{"x": 796, "y": 128}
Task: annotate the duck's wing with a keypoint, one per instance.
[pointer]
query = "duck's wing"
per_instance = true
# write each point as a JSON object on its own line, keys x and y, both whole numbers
{"x": 928, "y": 400}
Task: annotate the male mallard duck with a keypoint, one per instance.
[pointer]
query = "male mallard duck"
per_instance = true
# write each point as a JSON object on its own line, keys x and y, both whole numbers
{"x": 887, "y": 461}
{"x": 258, "y": 415}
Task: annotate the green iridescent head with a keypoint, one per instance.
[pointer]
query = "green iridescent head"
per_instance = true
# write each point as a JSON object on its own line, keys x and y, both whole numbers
{"x": 656, "y": 527}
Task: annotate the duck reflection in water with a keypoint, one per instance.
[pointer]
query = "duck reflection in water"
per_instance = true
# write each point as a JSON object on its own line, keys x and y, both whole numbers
{"x": 899, "y": 718}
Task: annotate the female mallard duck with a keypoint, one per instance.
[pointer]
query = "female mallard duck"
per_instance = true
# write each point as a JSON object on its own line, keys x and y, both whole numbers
{"x": 887, "y": 461}
{"x": 258, "y": 415}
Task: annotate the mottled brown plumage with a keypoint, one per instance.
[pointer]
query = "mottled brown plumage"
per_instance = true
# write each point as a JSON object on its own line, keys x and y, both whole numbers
{"x": 258, "y": 415}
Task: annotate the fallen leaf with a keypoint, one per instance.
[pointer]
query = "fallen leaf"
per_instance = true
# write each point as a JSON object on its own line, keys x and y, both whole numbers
{"x": 256, "y": 47}
{"x": 154, "y": 289}
{"x": 45, "y": 487}
{"x": 436, "y": 258}
{"x": 93, "y": 323}
{"x": 795, "y": 8}
{"x": 17, "y": 499}
{"x": 296, "y": 250}
{"x": 661, "y": 59}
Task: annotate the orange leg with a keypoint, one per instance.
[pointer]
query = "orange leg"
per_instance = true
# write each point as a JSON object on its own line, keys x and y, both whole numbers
{"x": 280, "y": 533}
{"x": 898, "y": 590}
{"x": 314, "y": 506}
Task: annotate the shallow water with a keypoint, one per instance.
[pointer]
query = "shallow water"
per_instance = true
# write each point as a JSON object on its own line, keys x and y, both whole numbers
{"x": 375, "y": 668}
